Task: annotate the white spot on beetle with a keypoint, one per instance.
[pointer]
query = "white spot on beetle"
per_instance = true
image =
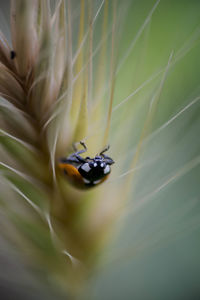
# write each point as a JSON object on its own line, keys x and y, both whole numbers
{"x": 102, "y": 165}
{"x": 95, "y": 165}
{"x": 106, "y": 170}
{"x": 96, "y": 181}
{"x": 85, "y": 167}
{"x": 86, "y": 181}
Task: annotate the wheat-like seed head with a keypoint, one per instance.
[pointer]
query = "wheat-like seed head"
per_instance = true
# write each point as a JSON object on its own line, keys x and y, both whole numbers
{"x": 52, "y": 94}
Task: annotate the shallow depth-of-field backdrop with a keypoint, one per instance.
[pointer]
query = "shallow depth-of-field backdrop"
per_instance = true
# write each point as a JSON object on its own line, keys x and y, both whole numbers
{"x": 142, "y": 240}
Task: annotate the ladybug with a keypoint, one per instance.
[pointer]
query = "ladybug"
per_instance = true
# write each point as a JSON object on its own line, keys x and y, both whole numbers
{"x": 86, "y": 172}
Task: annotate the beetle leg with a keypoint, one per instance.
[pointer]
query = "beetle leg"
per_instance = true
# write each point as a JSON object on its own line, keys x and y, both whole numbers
{"x": 104, "y": 150}
{"x": 70, "y": 159}
{"x": 107, "y": 159}
{"x": 76, "y": 158}
{"x": 81, "y": 151}
{"x": 79, "y": 158}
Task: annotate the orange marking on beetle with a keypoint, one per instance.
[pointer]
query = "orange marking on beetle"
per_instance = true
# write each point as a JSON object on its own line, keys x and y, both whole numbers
{"x": 72, "y": 173}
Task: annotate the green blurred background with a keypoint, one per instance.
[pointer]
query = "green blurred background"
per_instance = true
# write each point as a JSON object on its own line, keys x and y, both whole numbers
{"x": 157, "y": 252}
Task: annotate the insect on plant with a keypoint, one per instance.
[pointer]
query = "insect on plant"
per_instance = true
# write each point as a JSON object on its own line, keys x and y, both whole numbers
{"x": 86, "y": 172}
